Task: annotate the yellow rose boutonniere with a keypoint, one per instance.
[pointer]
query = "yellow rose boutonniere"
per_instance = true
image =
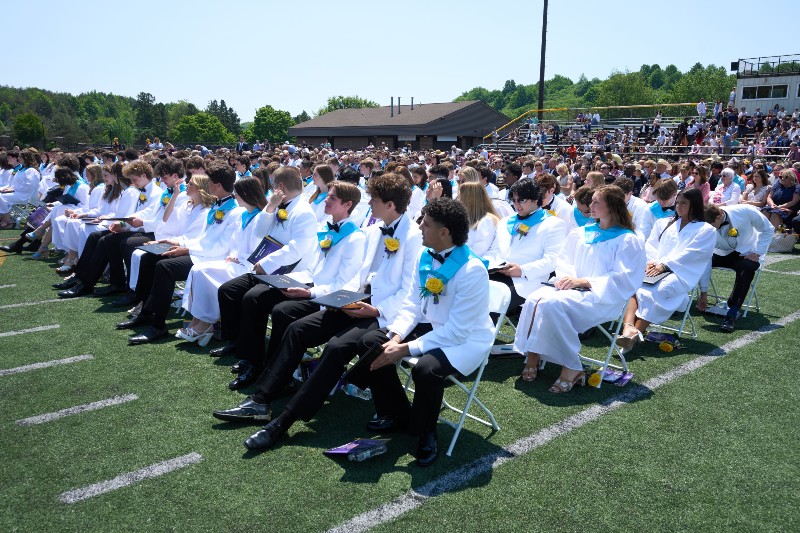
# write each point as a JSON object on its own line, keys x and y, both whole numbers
{"x": 391, "y": 245}
{"x": 325, "y": 244}
{"x": 282, "y": 214}
{"x": 434, "y": 286}
{"x": 551, "y": 212}
{"x": 665, "y": 346}
{"x": 164, "y": 200}
{"x": 142, "y": 197}
{"x": 523, "y": 230}
{"x": 733, "y": 232}
{"x": 595, "y": 379}
{"x": 218, "y": 216}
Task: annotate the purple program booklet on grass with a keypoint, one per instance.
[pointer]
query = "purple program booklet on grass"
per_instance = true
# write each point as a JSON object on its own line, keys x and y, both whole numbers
{"x": 355, "y": 446}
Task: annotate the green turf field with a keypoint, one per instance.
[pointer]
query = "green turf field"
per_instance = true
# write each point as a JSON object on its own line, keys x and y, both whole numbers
{"x": 715, "y": 449}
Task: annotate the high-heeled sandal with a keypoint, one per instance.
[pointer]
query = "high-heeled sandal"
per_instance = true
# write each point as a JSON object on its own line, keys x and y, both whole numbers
{"x": 627, "y": 342}
{"x": 190, "y": 335}
{"x": 66, "y": 268}
{"x": 529, "y": 373}
{"x": 564, "y": 385}
{"x": 41, "y": 255}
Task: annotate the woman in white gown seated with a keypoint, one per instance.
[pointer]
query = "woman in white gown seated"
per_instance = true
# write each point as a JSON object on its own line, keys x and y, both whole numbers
{"x": 680, "y": 247}
{"x": 200, "y": 294}
{"x": 599, "y": 268}
{"x": 483, "y": 220}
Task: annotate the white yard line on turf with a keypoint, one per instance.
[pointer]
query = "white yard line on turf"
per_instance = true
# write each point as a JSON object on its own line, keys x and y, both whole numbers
{"x": 26, "y": 304}
{"x": 29, "y": 330}
{"x": 123, "y": 480}
{"x": 461, "y": 476}
{"x": 69, "y": 411}
{"x": 45, "y": 364}
{"x": 8, "y": 286}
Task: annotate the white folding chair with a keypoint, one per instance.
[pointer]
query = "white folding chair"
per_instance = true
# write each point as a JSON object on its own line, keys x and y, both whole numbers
{"x": 720, "y": 306}
{"x": 612, "y": 334}
{"x": 499, "y": 298}
{"x": 686, "y": 318}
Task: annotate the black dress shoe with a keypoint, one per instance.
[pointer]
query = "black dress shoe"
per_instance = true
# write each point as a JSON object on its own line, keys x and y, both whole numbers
{"x": 127, "y": 300}
{"x": 15, "y": 248}
{"x": 387, "y": 424}
{"x": 247, "y": 411}
{"x": 149, "y": 335}
{"x": 79, "y": 289}
{"x": 244, "y": 379}
{"x": 240, "y": 366}
{"x": 111, "y": 289}
{"x": 142, "y": 319}
{"x": 266, "y": 437}
{"x": 727, "y": 325}
{"x": 224, "y": 350}
{"x": 67, "y": 283}
{"x": 427, "y": 449}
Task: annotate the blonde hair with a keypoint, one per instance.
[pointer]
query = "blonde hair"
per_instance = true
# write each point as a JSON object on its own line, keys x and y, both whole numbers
{"x": 473, "y": 197}
{"x": 201, "y": 182}
{"x": 469, "y": 175}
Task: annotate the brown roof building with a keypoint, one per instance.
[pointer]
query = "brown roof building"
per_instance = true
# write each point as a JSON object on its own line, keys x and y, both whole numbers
{"x": 422, "y": 126}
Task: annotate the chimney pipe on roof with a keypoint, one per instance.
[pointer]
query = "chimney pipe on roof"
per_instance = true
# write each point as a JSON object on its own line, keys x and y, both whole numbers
{"x": 398, "y": 105}
{"x": 412, "y": 103}
{"x": 392, "y": 106}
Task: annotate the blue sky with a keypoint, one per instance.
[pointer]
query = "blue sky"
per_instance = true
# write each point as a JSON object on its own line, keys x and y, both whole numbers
{"x": 294, "y": 55}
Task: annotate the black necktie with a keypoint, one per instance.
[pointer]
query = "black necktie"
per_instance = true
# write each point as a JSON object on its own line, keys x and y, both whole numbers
{"x": 284, "y": 205}
{"x": 142, "y": 189}
{"x": 170, "y": 190}
{"x": 388, "y": 230}
{"x": 523, "y": 217}
{"x": 223, "y": 200}
{"x": 334, "y": 227}
{"x": 439, "y": 257}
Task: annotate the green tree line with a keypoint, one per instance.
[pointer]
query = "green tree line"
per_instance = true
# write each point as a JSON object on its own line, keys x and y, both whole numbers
{"x": 650, "y": 85}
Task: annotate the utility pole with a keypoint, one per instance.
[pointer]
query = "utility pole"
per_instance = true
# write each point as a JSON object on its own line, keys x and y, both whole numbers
{"x": 541, "y": 62}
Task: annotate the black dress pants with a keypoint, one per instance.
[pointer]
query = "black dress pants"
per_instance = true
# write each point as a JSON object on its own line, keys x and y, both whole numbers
{"x": 428, "y": 374}
{"x": 92, "y": 259}
{"x": 745, "y": 272}
{"x": 304, "y": 326}
{"x": 245, "y": 305}
{"x": 119, "y": 257}
{"x": 167, "y": 272}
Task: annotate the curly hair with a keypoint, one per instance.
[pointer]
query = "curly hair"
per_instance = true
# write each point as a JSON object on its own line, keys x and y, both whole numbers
{"x": 450, "y": 214}
{"x": 526, "y": 189}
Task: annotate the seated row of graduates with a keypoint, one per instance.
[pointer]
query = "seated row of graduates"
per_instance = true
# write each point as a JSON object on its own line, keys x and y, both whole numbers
{"x": 451, "y": 327}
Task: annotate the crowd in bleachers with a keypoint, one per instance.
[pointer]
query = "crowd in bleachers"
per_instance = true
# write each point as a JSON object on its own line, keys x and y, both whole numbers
{"x": 721, "y": 131}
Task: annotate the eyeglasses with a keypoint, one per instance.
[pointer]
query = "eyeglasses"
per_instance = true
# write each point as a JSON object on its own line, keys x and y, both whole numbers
{"x": 518, "y": 201}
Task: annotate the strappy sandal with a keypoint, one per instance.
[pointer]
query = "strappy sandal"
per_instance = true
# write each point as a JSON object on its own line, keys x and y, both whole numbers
{"x": 66, "y": 268}
{"x": 564, "y": 385}
{"x": 627, "y": 342}
{"x": 529, "y": 373}
{"x": 41, "y": 254}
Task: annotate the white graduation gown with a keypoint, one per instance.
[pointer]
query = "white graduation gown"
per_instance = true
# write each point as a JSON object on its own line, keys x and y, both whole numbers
{"x": 200, "y": 293}
{"x": 614, "y": 269}
{"x": 686, "y": 253}
{"x": 483, "y": 239}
